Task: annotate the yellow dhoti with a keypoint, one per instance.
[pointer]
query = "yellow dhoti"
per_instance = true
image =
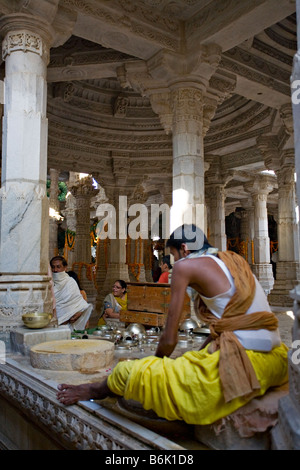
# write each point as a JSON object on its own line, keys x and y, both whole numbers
{"x": 188, "y": 388}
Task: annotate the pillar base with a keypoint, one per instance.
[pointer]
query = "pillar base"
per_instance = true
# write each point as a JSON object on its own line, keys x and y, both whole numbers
{"x": 20, "y": 294}
{"x": 264, "y": 274}
{"x": 286, "y": 434}
{"x": 280, "y": 297}
{"x": 287, "y": 277}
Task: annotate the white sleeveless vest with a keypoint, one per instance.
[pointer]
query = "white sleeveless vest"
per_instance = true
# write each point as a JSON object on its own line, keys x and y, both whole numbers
{"x": 258, "y": 340}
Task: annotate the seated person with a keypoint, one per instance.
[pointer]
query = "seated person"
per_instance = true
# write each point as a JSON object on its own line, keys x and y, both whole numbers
{"x": 114, "y": 302}
{"x": 165, "y": 266}
{"x": 242, "y": 358}
{"x": 70, "y": 307}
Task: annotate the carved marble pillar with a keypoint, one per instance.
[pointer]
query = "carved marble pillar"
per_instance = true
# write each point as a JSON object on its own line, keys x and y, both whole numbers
{"x": 188, "y": 156}
{"x": 24, "y": 208}
{"x": 185, "y": 107}
{"x": 262, "y": 268}
{"x": 140, "y": 220}
{"x": 103, "y": 245}
{"x": 54, "y": 206}
{"x": 216, "y": 182}
{"x": 180, "y": 108}
{"x": 215, "y": 197}
{"x": 117, "y": 267}
{"x": 286, "y": 435}
{"x": 287, "y": 266}
{"x": 117, "y": 199}
{"x": 69, "y": 213}
{"x": 84, "y": 191}
{"x": 247, "y": 230}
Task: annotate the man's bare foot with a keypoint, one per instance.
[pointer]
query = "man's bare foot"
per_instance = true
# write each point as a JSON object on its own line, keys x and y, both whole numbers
{"x": 70, "y": 394}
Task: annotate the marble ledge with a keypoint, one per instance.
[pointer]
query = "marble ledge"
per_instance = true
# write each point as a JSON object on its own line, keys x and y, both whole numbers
{"x": 34, "y": 392}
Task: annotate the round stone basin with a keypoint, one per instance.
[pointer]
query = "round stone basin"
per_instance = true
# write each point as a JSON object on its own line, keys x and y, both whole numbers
{"x": 86, "y": 356}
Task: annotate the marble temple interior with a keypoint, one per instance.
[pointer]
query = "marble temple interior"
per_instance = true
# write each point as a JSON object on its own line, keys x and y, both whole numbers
{"x": 167, "y": 103}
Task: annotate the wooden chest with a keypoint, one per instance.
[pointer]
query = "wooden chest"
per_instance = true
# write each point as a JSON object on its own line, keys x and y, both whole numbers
{"x": 148, "y": 303}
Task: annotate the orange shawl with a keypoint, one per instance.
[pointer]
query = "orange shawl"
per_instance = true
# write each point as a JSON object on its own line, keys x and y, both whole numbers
{"x": 236, "y": 372}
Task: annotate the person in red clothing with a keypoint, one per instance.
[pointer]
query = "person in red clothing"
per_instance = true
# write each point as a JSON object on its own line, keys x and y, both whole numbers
{"x": 165, "y": 266}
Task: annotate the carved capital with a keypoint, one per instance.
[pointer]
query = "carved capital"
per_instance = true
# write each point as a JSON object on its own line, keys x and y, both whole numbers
{"x": 216, "y": 176}
{"x": 269, "y": 148}
{"x": 285, "y": 176}
{"x": 25, "y": 33}
{"x": 84, "y": 188}
{"x": 286, "y": 115}
{"x": 209, "y": 109}
{"x": 161, "y": 105}
{"x": 187, "y": 103}
{"x": 288, "y": 158}
{"x": 261, "y": 186}
{"x": 139, "y": 195}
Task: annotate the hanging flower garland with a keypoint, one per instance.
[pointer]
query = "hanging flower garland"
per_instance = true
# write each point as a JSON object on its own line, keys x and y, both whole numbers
{"x": 90, "y": 270}
{"x": 243, "y": 249}
{"x": 93, "y": 234}
{"x": 70, "y": 239}
{"x": 135, "y": 267}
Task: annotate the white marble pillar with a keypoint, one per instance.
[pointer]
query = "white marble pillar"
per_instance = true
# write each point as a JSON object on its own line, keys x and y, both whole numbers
{"x": 244, "y": 233}
{"x": 83, "y": 191}
{"x": 188, "y": 157}
{"x": 24, "y": 209}
{"x": 215, "y": 184}
{"x": 215, "y": 197}
{"x": 69, "y": 213}
{"x": 287, "y": 266}
{"x": 247, "y": 229}
{"x": 262, "y": 268}
{"x": 117, "y": 267}
{"x": 54, "y": 206}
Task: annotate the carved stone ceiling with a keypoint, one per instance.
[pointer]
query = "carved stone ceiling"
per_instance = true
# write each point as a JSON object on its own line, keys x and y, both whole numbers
{"x": 97, "y": 126}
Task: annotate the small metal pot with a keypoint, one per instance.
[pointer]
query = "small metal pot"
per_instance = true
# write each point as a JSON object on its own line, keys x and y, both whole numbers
{"x": 136, "y": 329}
{"x": 36, "y": 320}
{"x": 188, "y": 325}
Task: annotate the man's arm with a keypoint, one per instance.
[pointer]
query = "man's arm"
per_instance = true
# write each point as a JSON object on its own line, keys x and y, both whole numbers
{"x": 169, "y": 336}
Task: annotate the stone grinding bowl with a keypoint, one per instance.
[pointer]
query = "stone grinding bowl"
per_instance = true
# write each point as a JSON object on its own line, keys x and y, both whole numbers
{"x": 36, "y": 319}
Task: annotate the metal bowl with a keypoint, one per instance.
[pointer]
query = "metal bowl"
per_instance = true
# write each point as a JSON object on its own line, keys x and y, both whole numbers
{"x": 201, "y": 331}
{"x": 136, "y": 329}
{"x": 188, "y": 324}
{"x": 36, "y": 320}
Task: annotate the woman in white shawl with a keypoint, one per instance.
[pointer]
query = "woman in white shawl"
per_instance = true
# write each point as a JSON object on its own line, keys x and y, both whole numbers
{"x": 71, "y": 308}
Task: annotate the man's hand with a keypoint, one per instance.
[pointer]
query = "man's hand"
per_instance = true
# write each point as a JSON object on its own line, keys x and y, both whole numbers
{"x": 75, "y": 317}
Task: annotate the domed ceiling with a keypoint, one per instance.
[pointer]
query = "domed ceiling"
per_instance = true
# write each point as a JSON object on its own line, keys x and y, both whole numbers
{"x": 97, "y": 126}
